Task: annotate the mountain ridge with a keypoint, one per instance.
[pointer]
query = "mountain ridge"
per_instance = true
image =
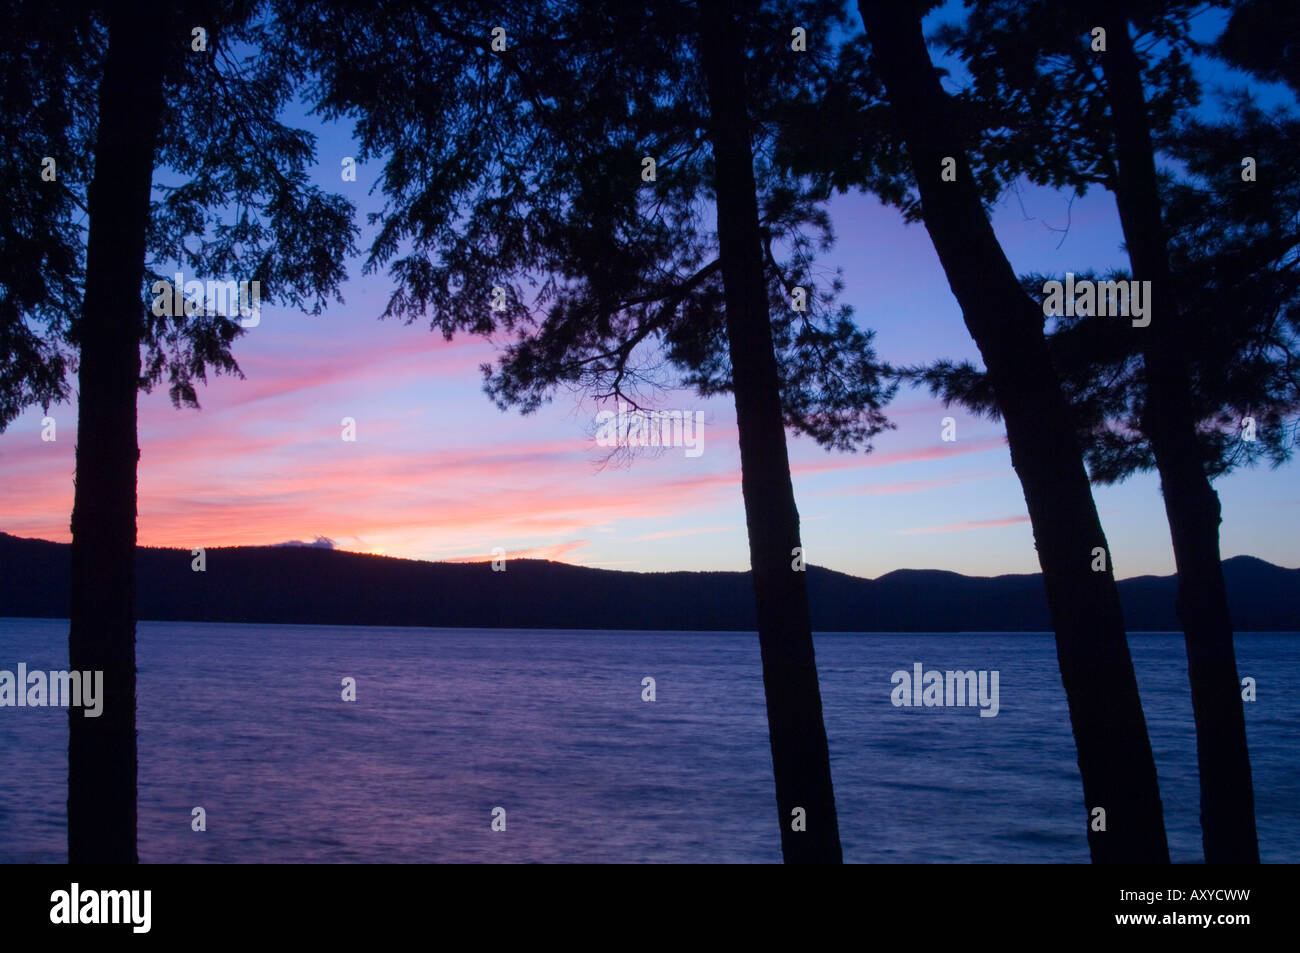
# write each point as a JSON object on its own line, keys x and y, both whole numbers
{"x": 319, "y": 586}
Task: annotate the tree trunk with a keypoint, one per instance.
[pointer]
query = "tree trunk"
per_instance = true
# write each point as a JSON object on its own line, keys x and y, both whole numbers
{"x": 1191, "y": 505}
{"x": 101, "y": 750}
{"x": 1115, "y": 760}
{"x": 800, "y": 757}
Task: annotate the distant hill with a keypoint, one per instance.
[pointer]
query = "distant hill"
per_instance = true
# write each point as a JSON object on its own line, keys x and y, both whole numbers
{"x": 307, "y": 585}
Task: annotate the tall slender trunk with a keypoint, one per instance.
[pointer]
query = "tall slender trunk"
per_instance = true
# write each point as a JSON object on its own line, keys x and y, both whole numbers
{"x": 1115, "y": 760}
{"x": 800, "y": 757}
{"x": 1191, "y": 504}
{"x": 101, "y": 750}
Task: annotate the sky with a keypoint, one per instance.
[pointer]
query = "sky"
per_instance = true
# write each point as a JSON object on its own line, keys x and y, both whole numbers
{"x": 437, "y": 472}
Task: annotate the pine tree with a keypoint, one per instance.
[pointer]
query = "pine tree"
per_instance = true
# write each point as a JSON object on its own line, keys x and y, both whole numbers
{"x": 1043, "y": 75}
{"x": 522, "y": 166}
{"x": 165, "y": 134}
{"x": 1115, "y": 758}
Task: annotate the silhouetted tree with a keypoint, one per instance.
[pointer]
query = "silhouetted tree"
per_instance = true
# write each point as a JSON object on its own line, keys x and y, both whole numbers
{"x": 102, "y": 750}
{"x": 161, "y": 98}
{"x": 1115, "y": 759}
{"x": 522, "y": 164}
{"x": 800, "y": 758}
{"x": 1234, "y": 263}
{"x": 1055, "y": 59}
{"x": 1191, "y": 504}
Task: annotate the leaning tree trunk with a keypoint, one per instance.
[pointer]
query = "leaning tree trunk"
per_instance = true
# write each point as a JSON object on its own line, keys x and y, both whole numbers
{"x": 1115, "y": 760}
{"x": 101, "y": 751}
{"x": 1191, "y": 505}
{"x": 800, "y": 757}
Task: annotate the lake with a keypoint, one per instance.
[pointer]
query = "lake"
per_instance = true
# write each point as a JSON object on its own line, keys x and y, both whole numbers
{"x": 248, "y": 722}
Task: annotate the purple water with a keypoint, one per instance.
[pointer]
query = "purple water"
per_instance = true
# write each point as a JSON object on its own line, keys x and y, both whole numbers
{"x": 247, "y": 721}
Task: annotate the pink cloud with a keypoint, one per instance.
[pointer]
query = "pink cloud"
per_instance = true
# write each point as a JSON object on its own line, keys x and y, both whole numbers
{"x": 234, "y": 475}
{"x": 939, "y": 451}
{"x": 553, "y": 552}
{"x": 366, "y": 368}
{"x": 967, "y": 525}
{"x": 213, "y": 485}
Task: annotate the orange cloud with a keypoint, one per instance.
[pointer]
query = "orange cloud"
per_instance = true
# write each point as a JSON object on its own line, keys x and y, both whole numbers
{"x": 553, "y": 552}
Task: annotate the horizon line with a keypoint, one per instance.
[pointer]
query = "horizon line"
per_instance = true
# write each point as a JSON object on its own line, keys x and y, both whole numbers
{"x": 477, "y": 560}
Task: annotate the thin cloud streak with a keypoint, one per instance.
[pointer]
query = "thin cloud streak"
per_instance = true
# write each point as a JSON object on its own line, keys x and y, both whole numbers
{"x": 966, "y": 526}
{"x": 540, "y": 552}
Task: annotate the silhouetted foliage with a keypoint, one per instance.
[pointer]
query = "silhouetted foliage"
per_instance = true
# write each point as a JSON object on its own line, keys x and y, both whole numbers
{"x": 1232, "y": 249}
{"x": 1263, "y": 37}
{"x": 520, "y": 169}
{"x": 121, "y": 93}
{"x": 1217, "y": 249}
{"x": 42, "y": 255}
{"x": 1115, "y": 758}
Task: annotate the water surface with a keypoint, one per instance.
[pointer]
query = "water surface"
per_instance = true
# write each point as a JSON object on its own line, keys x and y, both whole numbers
{"x": 248, "y": 722}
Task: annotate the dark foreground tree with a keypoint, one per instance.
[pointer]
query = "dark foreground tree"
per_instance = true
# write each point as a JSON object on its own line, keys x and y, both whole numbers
{"x": 800, "y": 757}
{"x": 1235, "y": 269}
{"x": 521, "y": 163}
{"x": 102, "y": 750}
{"x": 1115, "y": 759}
{"x": 1191, "y": 504}
{"x": 159, "y": 97}
{"x": 1079, "y": 67}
